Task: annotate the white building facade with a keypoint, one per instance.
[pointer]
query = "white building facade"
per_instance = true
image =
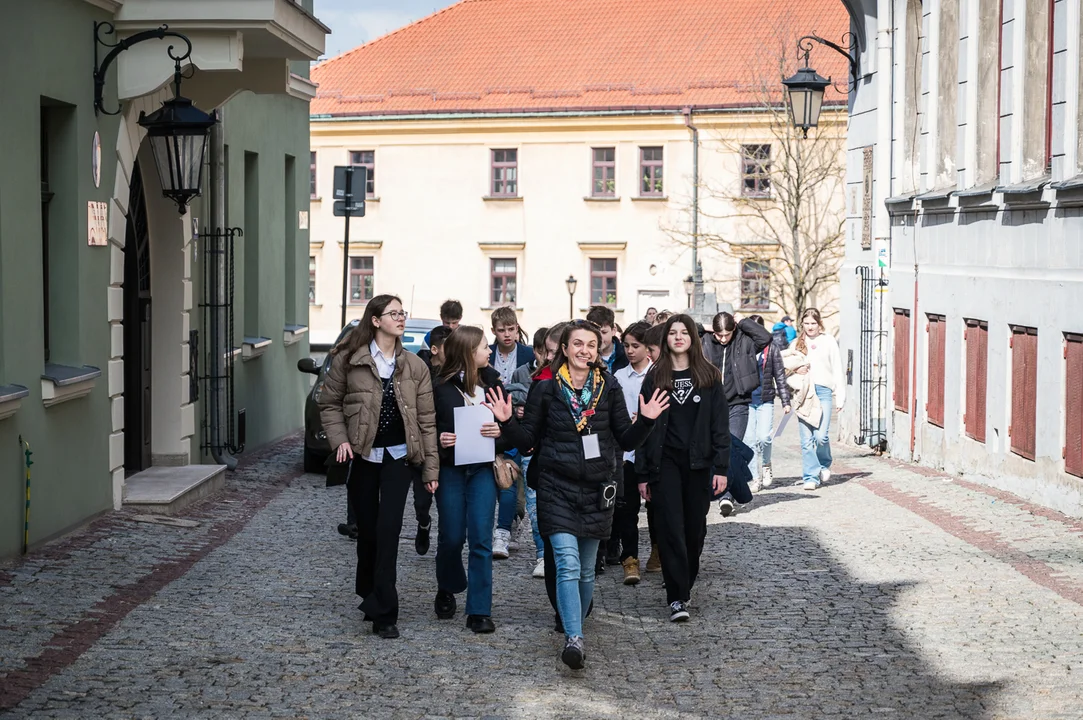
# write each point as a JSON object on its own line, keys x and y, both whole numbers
{"x": 964, "y": 168}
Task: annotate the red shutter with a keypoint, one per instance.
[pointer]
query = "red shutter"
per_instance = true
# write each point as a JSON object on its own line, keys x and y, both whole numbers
{"x": 1073, "y": 424}
{"x": 1024, "y": 390}
{"x": 934, "y": 407}
{"x": 902, "y": 360}
{"x": 977, "y": 371}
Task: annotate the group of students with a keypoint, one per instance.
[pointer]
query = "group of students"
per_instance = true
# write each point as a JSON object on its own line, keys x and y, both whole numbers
{"x": 597, "y": 424}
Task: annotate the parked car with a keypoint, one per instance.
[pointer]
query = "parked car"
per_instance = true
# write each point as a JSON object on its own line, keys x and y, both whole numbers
{"x": 316, "y": 448}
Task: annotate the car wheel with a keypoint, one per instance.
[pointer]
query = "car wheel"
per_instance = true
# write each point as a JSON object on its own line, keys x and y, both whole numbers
{"x": 312, "y": 463}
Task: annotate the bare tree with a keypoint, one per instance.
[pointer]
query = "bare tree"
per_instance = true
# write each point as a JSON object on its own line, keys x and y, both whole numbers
{"x": 787, "y": 211}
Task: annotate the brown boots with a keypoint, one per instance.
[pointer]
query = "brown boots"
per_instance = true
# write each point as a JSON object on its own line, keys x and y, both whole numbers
{"x": 654, "y": 564}
{"x": 631, "y": 571}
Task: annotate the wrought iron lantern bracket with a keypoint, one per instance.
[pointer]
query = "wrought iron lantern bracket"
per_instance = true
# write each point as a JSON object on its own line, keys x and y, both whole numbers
{"x": 100, "y": 69}
{"x": 804, "y": 50}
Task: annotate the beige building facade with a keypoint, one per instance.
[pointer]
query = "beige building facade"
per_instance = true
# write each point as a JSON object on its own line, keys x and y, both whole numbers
{"x": 498, "y": 210}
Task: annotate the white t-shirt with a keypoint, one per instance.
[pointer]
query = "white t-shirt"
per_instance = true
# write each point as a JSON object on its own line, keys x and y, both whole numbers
{"x": 631, "y": 383}
{"x": 505, "y": 364}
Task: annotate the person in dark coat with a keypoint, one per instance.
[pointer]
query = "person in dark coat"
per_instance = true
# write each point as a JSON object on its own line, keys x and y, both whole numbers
{"x": 577, "y": 421}
{"x": 761, "y": 411}
{"x": 685, "y": 458}
{"x": 466, "y": 497}
{"x": 733, "y": 348}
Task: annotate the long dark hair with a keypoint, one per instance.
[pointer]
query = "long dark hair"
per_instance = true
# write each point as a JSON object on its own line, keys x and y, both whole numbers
{"x": 459, "y": 349}
{"x": 561, "y": 357}
{"x": 704, "y": 374}
{"x": 363, "y": 335}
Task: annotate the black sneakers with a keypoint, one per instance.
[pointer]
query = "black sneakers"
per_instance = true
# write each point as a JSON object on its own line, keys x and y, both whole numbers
{"x": 678, "y": 611}
{"x": 574, "y": 654}
{"x": 421, "y": 541}
{"x": 480, "y": 624}
{"x": 388, "y": 631}
{"x": 444, "y": 605}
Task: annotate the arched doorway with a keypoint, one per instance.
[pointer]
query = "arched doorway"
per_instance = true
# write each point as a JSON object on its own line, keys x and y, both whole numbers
{"x": 137, "y": 332}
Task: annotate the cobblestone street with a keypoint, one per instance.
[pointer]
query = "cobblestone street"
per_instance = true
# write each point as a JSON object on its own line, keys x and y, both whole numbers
{"x": 888, "y": 593}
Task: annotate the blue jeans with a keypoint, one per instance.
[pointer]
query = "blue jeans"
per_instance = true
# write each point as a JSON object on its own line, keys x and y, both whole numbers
{"x": 759, "y": 434}
{"x": 575, "y": 558}
{"x": 532, "y": 513}
{"x": 815, "y": 442}
{"x": 465, "y": 500}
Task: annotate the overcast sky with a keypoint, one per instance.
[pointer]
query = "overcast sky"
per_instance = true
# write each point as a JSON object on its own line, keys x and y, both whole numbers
{"x": 354, "y": 22}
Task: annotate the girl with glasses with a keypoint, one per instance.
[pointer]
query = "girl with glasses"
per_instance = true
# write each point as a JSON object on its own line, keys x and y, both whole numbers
{"x": 377, "y": 410}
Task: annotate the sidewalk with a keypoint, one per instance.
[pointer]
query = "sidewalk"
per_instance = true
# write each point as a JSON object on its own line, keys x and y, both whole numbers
{"x": 889, "y": 592}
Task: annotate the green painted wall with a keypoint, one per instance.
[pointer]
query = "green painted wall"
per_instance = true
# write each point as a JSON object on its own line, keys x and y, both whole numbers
{"x": 70, "y": 478}
{"x": 71, "y": 481}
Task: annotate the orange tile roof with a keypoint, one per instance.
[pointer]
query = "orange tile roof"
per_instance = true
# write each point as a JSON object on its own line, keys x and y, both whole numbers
{"x": 555, "y": 55}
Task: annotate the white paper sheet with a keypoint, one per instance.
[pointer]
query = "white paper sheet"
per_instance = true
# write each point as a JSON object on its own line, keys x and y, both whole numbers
{"x": 470, "y": 446}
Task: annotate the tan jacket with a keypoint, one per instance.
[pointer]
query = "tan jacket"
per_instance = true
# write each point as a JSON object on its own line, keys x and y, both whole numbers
{"x": 350, "y": 406}
{"x": 805, "y": 402}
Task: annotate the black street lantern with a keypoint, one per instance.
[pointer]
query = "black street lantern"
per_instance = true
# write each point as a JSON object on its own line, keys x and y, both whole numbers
{"x": 806, "y": 87}
{"x": 571, "y": 282}
{"x": 689, "y": 288}
{"x": 806, "y": 90}
{"x": 178, "y": 134}
{"x": 177, "y": 131}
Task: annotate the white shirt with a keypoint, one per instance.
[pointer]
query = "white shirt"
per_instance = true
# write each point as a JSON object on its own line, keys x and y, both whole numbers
{"x": 631, "y": 383}
{"x": 825, "y": 365}
{"x": 386, "y": 368}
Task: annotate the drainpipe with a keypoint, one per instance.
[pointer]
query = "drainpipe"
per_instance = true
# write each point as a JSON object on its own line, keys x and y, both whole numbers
{"x": 885, "y": 170}
{"x": 221, "y": 345}
{"x": 697, "y": 268}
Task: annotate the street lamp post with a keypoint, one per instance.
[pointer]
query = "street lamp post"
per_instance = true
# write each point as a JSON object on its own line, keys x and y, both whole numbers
{"x": 689, "y": 288}
{"x": 571, "y": 282}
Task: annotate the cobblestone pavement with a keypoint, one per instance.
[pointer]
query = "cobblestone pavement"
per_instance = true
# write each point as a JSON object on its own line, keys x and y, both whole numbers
{"x": 888, "y": 593}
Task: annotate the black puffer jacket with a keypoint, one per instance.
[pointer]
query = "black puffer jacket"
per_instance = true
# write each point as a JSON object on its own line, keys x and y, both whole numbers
{"x": 710, "y": 445}
{"x": 737, "y": 360}
{"x": 448, "y": 395}
{"x": 774, "y": 377}
{"x": 569, "y": 486}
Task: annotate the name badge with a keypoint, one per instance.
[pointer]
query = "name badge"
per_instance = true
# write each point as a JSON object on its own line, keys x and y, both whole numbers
{"x": 591, "y": 449}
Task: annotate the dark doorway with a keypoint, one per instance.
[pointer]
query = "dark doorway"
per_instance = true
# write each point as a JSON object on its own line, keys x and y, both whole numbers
{"x": 137, "y": 402}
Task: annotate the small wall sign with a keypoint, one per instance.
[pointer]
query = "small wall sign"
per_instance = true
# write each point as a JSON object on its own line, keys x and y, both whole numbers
{"x": 302, "y": 220}
{"x": 97, "y": 223}
{"x": 96, "y": 159}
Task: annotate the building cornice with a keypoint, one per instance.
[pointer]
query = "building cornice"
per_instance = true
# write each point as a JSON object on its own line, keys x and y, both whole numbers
{"x": 110, "y": 6}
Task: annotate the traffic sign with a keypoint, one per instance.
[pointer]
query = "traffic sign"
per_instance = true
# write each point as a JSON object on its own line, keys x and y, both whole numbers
{"x": 357, "y": 208}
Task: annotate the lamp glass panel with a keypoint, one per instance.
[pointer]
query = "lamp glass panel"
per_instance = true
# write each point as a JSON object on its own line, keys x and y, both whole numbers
{"x": 799, "y": 103}
{"x": 816, "y": 98}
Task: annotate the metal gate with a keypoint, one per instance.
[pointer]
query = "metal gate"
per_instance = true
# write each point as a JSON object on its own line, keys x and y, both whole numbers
{"x": 873, "y": 381}
{"x": 219, "y": 356}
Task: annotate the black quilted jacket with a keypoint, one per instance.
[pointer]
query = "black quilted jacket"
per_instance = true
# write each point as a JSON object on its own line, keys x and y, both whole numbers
{"x": 569, "y": 486}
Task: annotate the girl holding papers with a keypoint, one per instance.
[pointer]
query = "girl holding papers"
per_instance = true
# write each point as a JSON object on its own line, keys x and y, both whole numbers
{"x": 573, "y": 425}
{"x": 466, "y": 498}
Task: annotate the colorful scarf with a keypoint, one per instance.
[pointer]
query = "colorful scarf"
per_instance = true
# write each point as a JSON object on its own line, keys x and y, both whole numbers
{"x": 582, "y": 404}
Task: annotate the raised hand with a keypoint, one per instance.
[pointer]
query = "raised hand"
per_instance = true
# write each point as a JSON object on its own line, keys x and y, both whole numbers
{"x": 499, "y": 403}
{"x": 658, "y": 404}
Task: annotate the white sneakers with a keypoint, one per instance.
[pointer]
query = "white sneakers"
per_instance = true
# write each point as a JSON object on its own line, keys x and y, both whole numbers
{"x": 825, "y": 475}
{"x": 539, "y": 569}
{"x": 766, "y": 477}
{"x": 501, "y": 538}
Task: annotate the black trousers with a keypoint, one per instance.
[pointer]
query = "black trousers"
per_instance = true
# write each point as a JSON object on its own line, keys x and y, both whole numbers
{"x": 377, "y": 495}
{"x": 422, "y": 505}
{"x": 681, "y": 497}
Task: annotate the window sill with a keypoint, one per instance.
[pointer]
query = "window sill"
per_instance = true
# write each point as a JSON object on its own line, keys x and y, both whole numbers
{"x": 744, "y": 196}
{"x": 315, "y": 305}
{"x": 614, "y": 309}
{"x": 650, "y": 198}
{"x": 61, "y": 383}
{"x": 230, "y": 356}
{"x": 253, "y": 347}
{"x": 502, "y": 198}
{"x": 291, "y": 334}
{"x": 11, "y": 399}
{"x": 602, "y": 198}
{"x": 495, "y": 307}
{"x": 315, "y": 198}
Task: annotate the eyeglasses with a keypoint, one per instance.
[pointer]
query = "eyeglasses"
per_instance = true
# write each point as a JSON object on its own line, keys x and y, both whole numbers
{"x": 396, "y": 314}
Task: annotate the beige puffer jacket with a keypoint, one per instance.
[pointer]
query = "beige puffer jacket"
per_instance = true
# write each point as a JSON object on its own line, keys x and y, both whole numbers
{"x": 350, "y": 406}
{"x": 805, "y": 402}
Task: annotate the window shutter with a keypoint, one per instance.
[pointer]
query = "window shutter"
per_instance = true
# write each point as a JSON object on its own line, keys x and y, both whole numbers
{"x": 935, "y": 405}
{"x": 1073, "y": 423}
{"x": 977, "y": 352}
{"x": 902, "y": 360}
{"x": 1024, "y": 390}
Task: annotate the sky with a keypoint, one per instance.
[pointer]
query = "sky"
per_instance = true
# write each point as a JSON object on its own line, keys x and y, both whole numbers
{"x": 354, "y": 22}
